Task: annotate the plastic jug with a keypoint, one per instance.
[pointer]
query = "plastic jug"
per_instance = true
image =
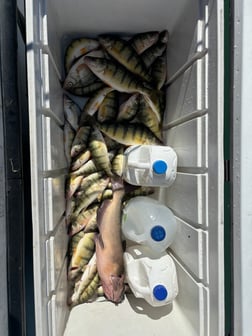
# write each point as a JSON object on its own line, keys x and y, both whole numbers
{"x": 148, "y": 165}
{"x": 148, "y": 222}
{"x": 151, "y": 276}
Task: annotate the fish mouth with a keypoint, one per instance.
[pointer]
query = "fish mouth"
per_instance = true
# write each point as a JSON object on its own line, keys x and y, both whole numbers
{"x": 114, "y": 290}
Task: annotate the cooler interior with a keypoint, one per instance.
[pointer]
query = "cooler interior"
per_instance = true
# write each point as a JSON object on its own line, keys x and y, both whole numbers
{"x": 192, "y": 126}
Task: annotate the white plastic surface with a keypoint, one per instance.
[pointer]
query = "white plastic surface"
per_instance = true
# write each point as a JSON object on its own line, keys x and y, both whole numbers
{"x": 193, "y": 126}
{"x": 191, "y": 190}
{"x": 54, "y": 201}
{"x": 140, "y": 161}
{"x": 241, "y": 170}
{"x": 191, "y": 247}
{"x": 147, "y": 271}
{"x": 191, "y": 150}
{"x": 149, "y": 222}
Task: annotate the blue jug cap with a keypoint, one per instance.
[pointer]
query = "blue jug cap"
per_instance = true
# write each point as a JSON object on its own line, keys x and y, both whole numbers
{"x": 158, "y": 233}
{"x": 160, "y": 292}
{"x": 159, "y": 167}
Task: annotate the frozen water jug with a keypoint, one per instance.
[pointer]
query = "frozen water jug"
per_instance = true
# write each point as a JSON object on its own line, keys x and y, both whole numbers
{"x": 148, "y": 222}
{"x": 149, "y": 165}
{"x": 151, "y": 276}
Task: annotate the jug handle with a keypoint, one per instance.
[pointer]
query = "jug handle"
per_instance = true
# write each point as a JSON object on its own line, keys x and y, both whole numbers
{"x": 141, "y": 165}
{"x": 141, "y": 289}
{"x": 137, "y": 238}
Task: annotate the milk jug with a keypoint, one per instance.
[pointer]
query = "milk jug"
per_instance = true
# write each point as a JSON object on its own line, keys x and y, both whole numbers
{"x": 149, "y": 165}
{"x": 150, "y": 276}
{"x": 148, "y": 222}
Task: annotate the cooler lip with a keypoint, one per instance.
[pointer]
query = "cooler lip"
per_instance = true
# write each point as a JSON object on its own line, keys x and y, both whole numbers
{"x": 32, "y": 39}
{"x": 241, "y": 159}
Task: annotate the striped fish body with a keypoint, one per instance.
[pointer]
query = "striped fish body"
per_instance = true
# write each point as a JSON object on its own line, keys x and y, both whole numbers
{"x": 116, "y": 76}
{"x": 149, "y": 118}
{"x": 87, "y": 90}
{"x": 81, "y": 159}
{"x": 77, "y": 48}
{"x": 129, "y": 134}
{"x": 141, "y": 191}
{"x": 71, "y": 112}
{"x": 72, "y": 185}
{"x": 83, "y": 253}
{"x": 89, "y": 196}
{"x": 90, "y": 290}
{"x": 159, "y": 71}
{"x": 125, "y": 54}
{"x": 106, "y": 194}
{"x": 150, "y": 55}
{"x": 79, "y": 75}
{"x": 86, "y": 278}
{"x": 69, "y": 135}
{"x": 128, "y": 109}
{"x": 83, "y": 220}
{"x": 73, "y": 242}
{"x": 90, "y": 167}
{"x": 94, "y": 102}
{"x": 118, "y": 162}
{"x": 108, "y": 108}
{"x": 90, "y": 179}
{"x": 80, "y": 141}
{"x": 99, "y": 151}
{"x": 141, "y": 42}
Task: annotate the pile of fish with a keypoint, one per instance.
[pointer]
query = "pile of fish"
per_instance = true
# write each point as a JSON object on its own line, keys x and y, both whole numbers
{"x": 123, "y": 82}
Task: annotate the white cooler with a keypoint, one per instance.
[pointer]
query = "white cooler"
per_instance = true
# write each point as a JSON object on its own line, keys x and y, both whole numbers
{"x": 193, "y": 125}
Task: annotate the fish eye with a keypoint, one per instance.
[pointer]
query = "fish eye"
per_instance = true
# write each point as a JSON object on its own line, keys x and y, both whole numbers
{"x": 69, "y": 84}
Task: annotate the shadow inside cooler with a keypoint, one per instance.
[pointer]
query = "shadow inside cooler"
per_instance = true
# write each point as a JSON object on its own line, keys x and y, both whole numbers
{"x": 192, "y": 126}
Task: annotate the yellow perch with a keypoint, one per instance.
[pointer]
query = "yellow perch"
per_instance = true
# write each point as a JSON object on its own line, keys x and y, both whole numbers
{"x": 72, "y": 185}
{"x": 141, "y": 42}
{"x": 118, "y": 162}
{"x": 83, "y": 253}
{"x": 71, "y": 112}
{"x": 129, "y": 134}
{"x": 149, "y": 118}
{"x": 159, "y": 71}
{"x": 152, "y": 53}
{"x": 125, "y": 54}
{"x": 128, "y": 109}
{"x": 80, "y": 141}
{"x": 81, "y": 159}
{"x": 82, "y": 289}
{"x": 90, "y": 179}
{"x": 85, "y": 220}
{"x": 87, "y": 90}
{"x": 116, "y": 76}
{"x": 108, "y": 108}
{"x": 69, "y": 135}
{"x": 77, "y": 48}
{"x": 79, "y": 76}
{"x": 99, "y": 151}
{"x": 73, "y": 242}
{"x": 94, "y": 103}
{"x": 90, "y": 290}
{"x": 90, "y": 195}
